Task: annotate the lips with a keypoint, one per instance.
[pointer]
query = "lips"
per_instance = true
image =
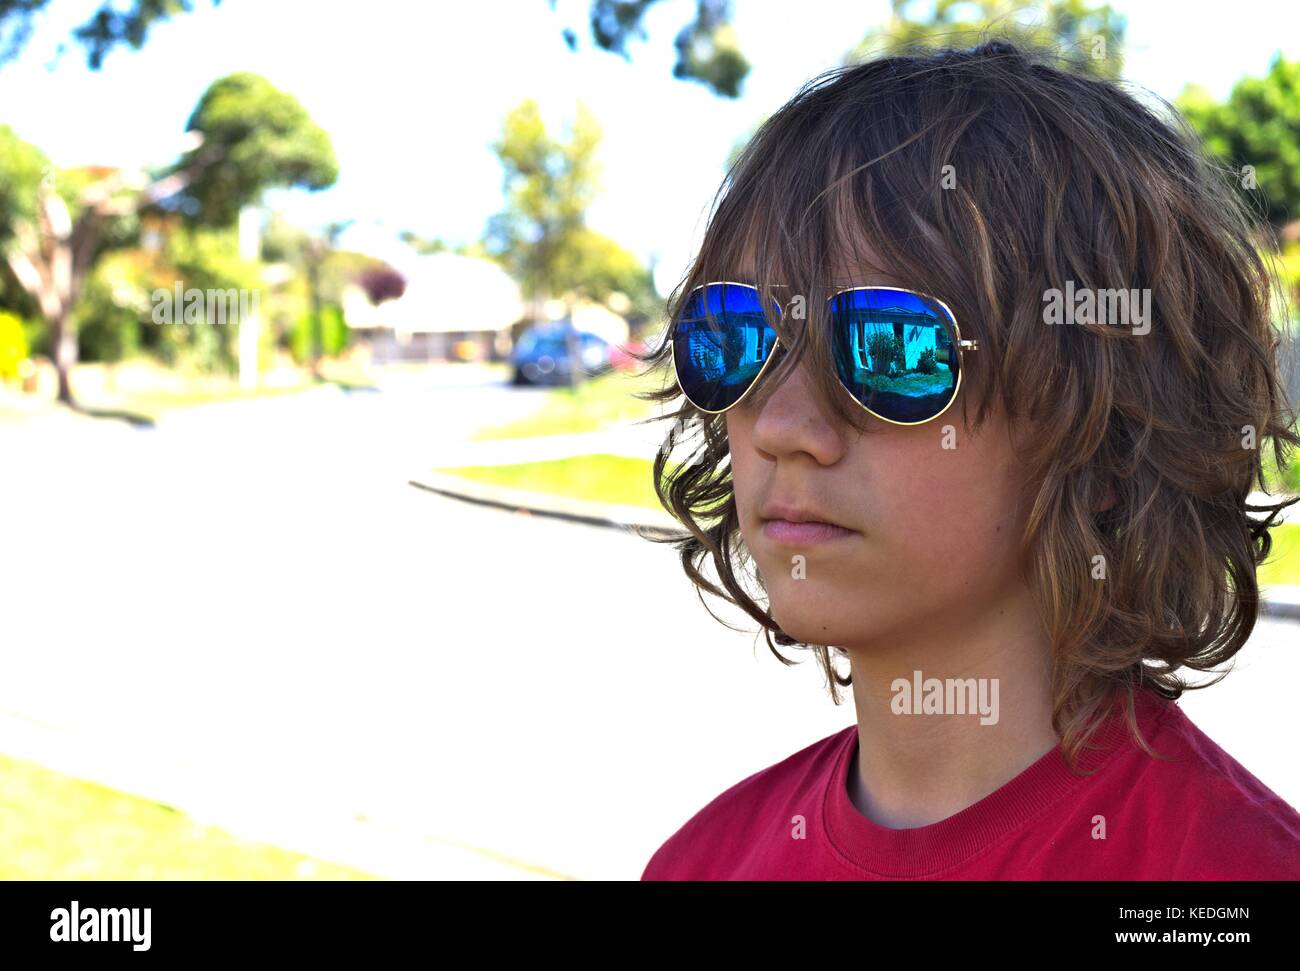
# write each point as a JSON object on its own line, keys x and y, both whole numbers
{"x": 800, "y": 525}
{"x": 803, "y": 534}
{"x": 797, "y": 514}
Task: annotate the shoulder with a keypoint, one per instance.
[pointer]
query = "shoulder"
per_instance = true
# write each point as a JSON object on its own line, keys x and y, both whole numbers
{"x": 725, "y": 826}
{"x": 1218, "y": 820}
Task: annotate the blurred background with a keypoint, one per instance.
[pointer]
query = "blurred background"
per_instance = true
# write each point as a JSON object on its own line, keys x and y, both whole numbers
{"x": 320, "y": 461}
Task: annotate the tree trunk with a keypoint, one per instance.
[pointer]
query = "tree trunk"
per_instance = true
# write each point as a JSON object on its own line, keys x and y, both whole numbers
{"x": 64, "y": 340}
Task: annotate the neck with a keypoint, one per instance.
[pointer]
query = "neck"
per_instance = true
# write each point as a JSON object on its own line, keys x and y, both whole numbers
{"x": 916, "y": 769}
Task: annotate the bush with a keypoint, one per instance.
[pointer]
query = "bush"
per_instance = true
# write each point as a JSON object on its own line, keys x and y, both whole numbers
{"x": 107, "y": 333}
{"x": 332, "y": 330}
{"x": 881, "y": 349}
{"x": 13, "y": 345}
{"x": 888, "y": 353}
{"x": 925, "y": 363}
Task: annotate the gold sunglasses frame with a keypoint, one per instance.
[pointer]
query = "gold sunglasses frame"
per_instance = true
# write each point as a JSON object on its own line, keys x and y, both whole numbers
{"x": 961, "y": 345}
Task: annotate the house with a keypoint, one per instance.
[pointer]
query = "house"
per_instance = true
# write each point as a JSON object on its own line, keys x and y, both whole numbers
{"x": 454, "y": 307}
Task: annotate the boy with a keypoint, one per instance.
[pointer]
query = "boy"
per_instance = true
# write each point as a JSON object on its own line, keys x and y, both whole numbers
{"x": 982, "y": 354}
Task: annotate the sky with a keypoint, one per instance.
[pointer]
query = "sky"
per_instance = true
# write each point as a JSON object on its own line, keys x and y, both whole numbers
{"x": 413, "y": 94}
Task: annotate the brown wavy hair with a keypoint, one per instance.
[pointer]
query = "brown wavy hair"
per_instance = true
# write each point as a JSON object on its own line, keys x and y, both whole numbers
{"x": 1055, "y": 177}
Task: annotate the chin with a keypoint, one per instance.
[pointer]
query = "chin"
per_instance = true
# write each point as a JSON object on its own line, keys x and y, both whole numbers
{"x": 822, "y": 619}
{"x": 808, "y": 625}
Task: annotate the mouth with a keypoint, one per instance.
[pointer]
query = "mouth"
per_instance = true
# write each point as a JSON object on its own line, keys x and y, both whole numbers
{"x": 786, "y": 532}
{"x": 800, "y": 524}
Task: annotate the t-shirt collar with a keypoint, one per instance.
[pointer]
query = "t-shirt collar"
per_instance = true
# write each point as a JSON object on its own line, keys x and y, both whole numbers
{"x": 926, "y": 851}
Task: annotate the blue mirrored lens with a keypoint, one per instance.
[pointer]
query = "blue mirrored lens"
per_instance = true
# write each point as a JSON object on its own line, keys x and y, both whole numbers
{"x": 721, "y": 340}
{"x": 894, "y": 351}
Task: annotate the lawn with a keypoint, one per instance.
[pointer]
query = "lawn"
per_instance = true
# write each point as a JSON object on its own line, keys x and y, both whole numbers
{"x": 155, "y": 404}
{"x": 1283, "y": 563}
{"x": 594, "y": 405}
{"x": 616, "y": 479}
{"x": 145, "y": 390}
{"x": 605, "y": 478}
{"x": 54, "y": 827}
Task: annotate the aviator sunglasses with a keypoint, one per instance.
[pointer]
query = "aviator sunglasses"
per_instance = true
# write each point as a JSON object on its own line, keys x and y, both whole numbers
{"x": 898, "y": 352}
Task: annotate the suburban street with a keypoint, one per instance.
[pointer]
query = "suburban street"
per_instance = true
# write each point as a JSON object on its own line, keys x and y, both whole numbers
{"x": 323, "y": 656}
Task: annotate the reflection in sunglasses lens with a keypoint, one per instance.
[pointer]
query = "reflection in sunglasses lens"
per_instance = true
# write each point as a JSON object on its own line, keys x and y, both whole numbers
{"x": 894, "y": 351}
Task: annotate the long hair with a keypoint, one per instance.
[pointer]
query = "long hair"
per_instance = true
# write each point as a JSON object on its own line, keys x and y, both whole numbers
{"x": 990, "y": 177}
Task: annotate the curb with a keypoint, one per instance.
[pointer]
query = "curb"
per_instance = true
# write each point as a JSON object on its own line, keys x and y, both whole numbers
{"x": 641, "y": 521}
{"x": 1282, "y": 601}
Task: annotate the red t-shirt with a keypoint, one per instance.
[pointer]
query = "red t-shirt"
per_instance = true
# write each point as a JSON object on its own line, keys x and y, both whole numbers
{"x": 1200, "y": 817}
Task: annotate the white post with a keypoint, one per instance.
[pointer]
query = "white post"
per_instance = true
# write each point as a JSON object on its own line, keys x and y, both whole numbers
{"x": 249, "y": 327}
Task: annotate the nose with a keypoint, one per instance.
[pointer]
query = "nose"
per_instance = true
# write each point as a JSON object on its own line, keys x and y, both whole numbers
{"x": 791, "y": 418}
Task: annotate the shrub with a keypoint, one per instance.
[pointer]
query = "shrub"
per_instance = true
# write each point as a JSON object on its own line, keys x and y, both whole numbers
{"x": 13, "y": 345}
{"x": 333, "y": 331}
{"x": 881, "y": 348}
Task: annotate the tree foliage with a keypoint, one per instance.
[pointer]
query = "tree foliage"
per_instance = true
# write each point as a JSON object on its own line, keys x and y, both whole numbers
{"x": 1256, "y": 134}
{"x": 541, "y": 237}
{"x": 22, "y": 168}
{"x": 254, "y": 137}
{"x": 243, "y": 137}
{"x": 594, "y": 267}
{"x": 548, "y": 186}
{"x": 109, "y": 27}
{"x": 1087, "y": 37}
{"x": 381, "y": 283}
{"x": 707, "y": 50}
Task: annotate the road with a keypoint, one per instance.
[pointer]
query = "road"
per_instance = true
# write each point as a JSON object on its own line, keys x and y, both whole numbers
{"x": 248, "y": 613}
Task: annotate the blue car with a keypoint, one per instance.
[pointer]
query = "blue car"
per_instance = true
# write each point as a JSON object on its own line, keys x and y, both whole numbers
{"x": 541, "y": 355}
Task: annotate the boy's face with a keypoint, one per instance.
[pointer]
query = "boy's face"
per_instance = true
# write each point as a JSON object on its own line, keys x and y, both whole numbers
{"x": 935, "y": 528}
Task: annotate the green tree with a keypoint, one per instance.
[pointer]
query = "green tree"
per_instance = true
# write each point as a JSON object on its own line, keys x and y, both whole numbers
{"x": 244, "y": 137}
{"x": 109, "y": 27}
{"x": 254, "y": 137}
{"x": 1256, "y": 133}
{"x": 55, "y": 225}
{"x": 327, "y": 270}
{"x": 707, "y": 50}
{"x": 1088, "y": 36}
{"x": 22, "y": 167}
{"x": 594, "y": 267}
{"x": 206, "y": 258}
{"x": 548, "y": 186}
{"x": 541, "y": 237}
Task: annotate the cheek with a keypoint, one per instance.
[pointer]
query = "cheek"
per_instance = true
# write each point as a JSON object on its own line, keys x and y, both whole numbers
{"x": 944, "y": 512}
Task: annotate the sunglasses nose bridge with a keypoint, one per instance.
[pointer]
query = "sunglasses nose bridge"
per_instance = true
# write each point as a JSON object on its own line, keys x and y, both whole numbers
{"x": 794, "y": 373}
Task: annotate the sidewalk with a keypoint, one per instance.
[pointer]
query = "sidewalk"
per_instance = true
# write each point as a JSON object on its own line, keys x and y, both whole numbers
{"x": 642, "y": 441}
